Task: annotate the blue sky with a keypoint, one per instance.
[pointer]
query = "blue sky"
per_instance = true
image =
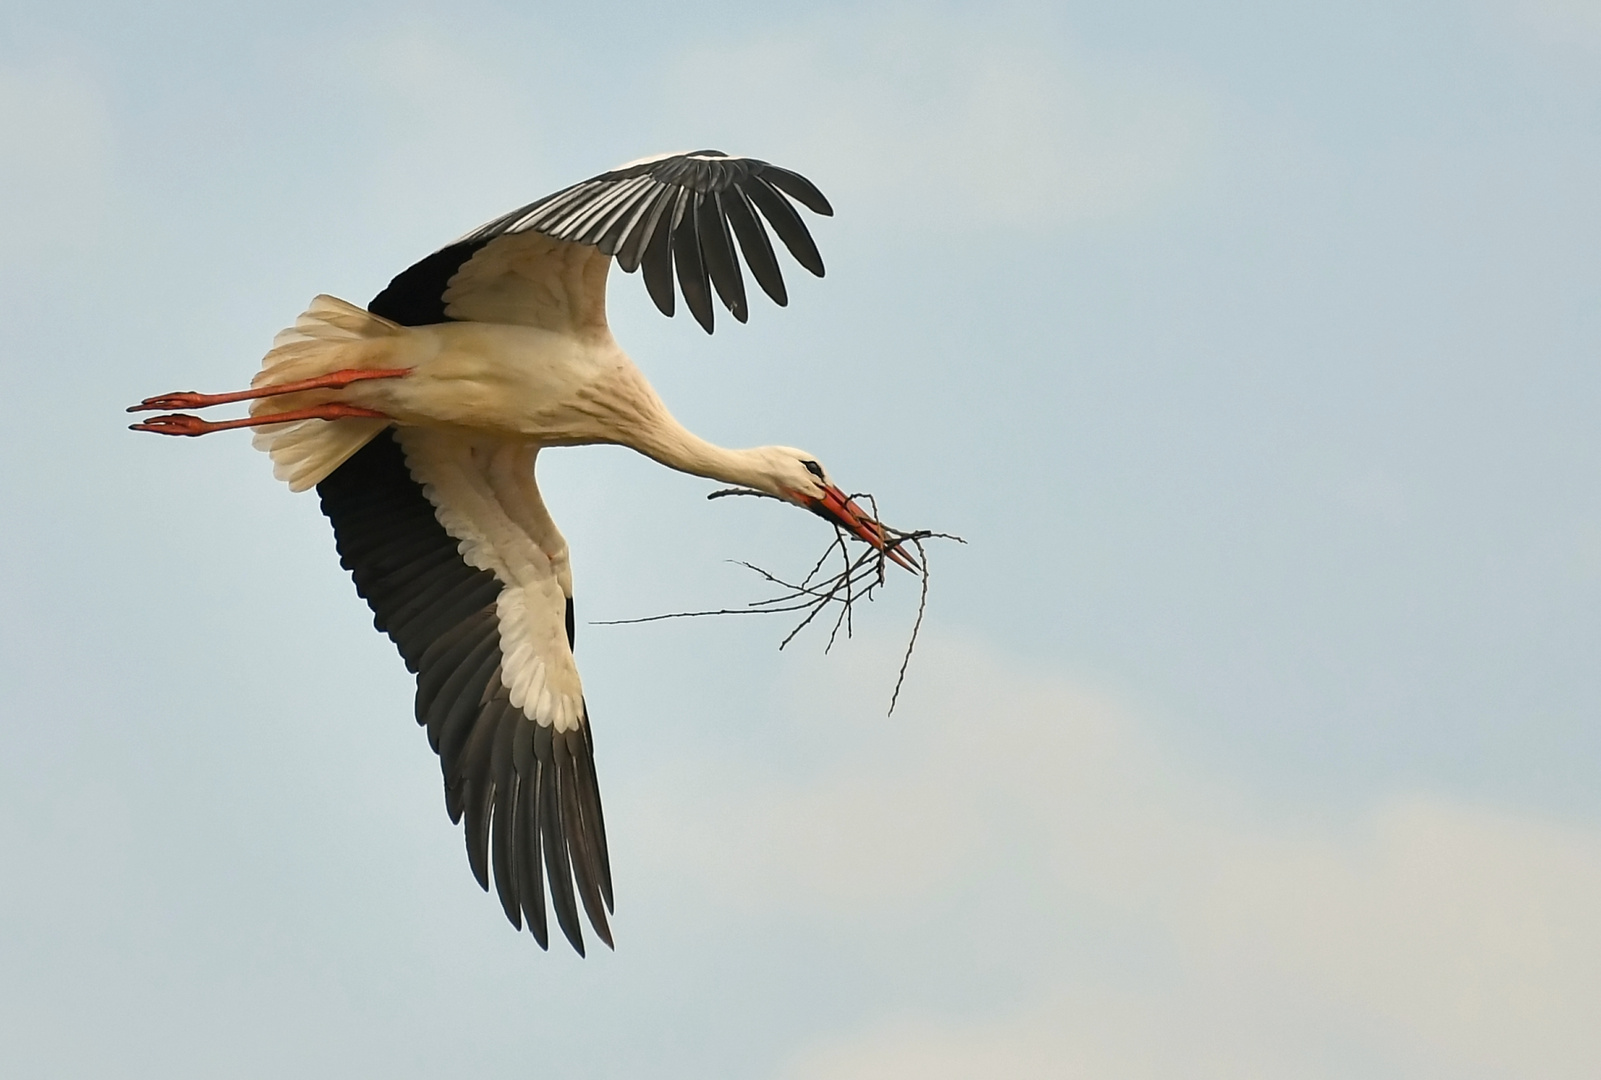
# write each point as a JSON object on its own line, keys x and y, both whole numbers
{"x": 1251, "y": 346}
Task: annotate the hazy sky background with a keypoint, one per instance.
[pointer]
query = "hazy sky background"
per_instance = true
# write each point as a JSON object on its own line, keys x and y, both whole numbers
{"x": 1252, "y": 346}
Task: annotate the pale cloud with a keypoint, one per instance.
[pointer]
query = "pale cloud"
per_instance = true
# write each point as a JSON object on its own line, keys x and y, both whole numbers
{"x": 1425, "y": 935}
{"x": 951, "y": 122}
{"x": 56, "y": 155}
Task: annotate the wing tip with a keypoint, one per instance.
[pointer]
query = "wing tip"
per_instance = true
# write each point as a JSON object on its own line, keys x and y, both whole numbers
{"x": 654, "y": 239}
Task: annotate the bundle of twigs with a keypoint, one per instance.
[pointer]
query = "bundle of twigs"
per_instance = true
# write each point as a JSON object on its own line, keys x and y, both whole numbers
{"x": 842, "y": 576}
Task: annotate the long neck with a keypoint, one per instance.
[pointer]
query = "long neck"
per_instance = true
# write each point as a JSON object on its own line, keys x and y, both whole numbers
{"x": 675, "y": 446}
{"x": 644, "y": 424}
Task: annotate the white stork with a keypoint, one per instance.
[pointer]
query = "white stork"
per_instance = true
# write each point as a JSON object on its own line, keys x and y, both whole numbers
{"x": 419, "y": 419}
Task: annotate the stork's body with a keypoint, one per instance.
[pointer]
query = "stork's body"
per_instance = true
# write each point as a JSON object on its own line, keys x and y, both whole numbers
{"x": 509, "y": 382}
{"x": 419, "y": 421}
{"x": 514, "y": 382}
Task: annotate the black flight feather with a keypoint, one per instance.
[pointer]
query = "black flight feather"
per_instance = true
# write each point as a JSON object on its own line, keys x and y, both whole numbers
{"x": 658, "y": 260}
{"x": 478, "y": 786}
{"x": 754, "y": 244}
{"x": 440, "y": 661}
{"x": 586, "y": 865}
{"x": 717, "y": 248}
{"x": 453, "y": 712}
{"x": 798, "y": 188}
{"x": 558, "y": 870}
{"x": 787, "y": 224}
{"x": 530, "y": 884}
{"x": 691, "y": 272}
{"x": 593, "y": 823}
{"x": 472, "y": 596}
{"x": 505, "y": 826}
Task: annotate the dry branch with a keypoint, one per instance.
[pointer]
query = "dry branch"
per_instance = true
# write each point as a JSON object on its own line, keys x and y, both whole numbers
{"x": 857, "y": 577}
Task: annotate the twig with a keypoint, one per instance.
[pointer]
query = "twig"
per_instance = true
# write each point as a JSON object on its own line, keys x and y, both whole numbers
{"x": 911, "y": 643}
{"x": 858, "y": 579}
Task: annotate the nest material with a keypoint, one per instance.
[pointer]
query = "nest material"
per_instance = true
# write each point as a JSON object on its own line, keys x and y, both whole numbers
{"x": 839, "y": 577}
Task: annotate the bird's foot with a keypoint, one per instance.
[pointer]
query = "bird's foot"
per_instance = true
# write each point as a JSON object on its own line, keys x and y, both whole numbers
{"x": 175, "y": 424}
{"x": 187, "y": 399}
{"x": 184, "y": 424}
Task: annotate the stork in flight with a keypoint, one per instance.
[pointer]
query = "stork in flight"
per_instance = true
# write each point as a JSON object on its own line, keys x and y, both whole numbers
{"x": 419, "y": 419}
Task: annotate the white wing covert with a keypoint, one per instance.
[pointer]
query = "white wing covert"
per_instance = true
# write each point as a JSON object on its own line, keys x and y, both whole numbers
{"x": 531, "y": 279}
{"x": 484, "y": 494}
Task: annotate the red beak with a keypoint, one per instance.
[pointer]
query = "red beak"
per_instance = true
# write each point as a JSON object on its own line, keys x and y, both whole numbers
{"x": 836, "y": 507}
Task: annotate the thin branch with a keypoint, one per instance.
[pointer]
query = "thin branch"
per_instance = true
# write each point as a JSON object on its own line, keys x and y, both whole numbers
{"x": 911, "y": 643}
{"x": 725, "y": 492}
{"x": 859, "y": 578}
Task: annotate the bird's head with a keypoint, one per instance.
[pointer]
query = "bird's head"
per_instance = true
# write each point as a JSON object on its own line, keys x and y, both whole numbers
{"x": 798, "y": 477}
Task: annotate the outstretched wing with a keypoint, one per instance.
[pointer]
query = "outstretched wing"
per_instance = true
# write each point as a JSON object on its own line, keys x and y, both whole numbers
{"x": 680, "y": 212}
{"x": 446, "y": 540}
{"x": 527, "y": 790}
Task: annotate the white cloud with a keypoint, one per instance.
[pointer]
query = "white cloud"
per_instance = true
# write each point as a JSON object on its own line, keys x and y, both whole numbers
{"x": 951, "y": 122}
{"x": 55, "y": 155}
{"x": 1424, "y": 936}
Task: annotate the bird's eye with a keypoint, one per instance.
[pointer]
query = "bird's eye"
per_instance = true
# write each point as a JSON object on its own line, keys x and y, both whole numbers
{"x": 813, "y": 468}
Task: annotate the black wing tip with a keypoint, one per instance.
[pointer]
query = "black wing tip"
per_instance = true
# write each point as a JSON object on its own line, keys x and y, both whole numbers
{"x": 798, "y": 188}
{"x": 660, "y": 235}
{"x": 416, "y": 296}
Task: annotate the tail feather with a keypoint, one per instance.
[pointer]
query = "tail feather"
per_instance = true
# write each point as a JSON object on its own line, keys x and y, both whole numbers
{"x": 329, "y": 336}
{"x": 304, "y": 452}
{"x": 332, "y": 319}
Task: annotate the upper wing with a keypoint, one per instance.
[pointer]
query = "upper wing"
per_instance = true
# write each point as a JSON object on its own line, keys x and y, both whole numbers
{"x": 534, "y": 280}
{"x": 676, "y": 210}
{"x": 439, "y": 534}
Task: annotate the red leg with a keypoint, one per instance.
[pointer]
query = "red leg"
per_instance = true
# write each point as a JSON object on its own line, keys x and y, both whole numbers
{"x": 337, "y": 380}
{"x": 181, "y": 424}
